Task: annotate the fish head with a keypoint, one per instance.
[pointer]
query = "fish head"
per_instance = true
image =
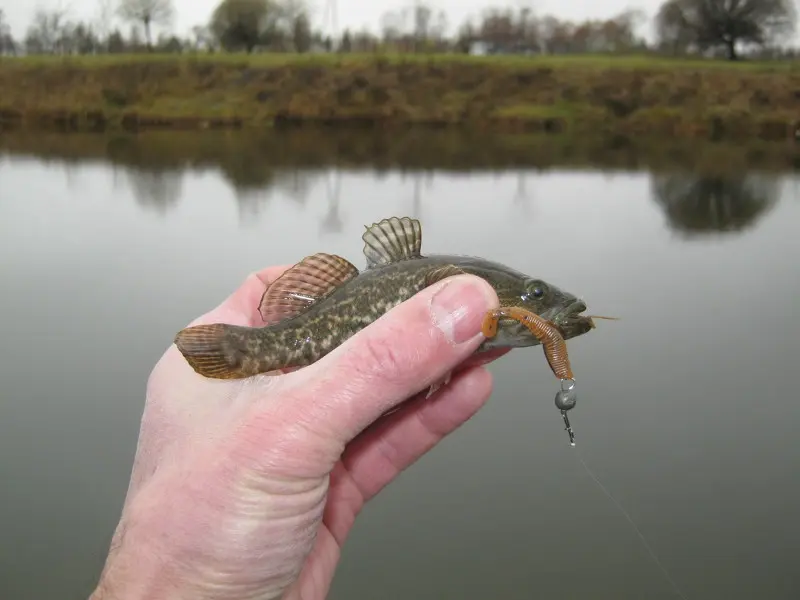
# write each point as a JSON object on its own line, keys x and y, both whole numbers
{"x": 545, "y": 299}
{"x": 560, "y": 307}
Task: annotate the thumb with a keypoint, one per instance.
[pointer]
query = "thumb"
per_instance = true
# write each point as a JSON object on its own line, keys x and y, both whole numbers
{"x": 403, "y": 352}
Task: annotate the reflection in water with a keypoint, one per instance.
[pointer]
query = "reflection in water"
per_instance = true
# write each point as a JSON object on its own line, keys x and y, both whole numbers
{"x": 695, "y": 195}
{"x": 252, "y": 195}
{"x": 154, "y": 189}
{"x": 695, "y": 204}
{"x": 72, "y": 176}
{"x": 295, "y": 184}
{"x": 522, "y": 197}
{"x": 424, "y": 178}
{"x": 332, "y": 221}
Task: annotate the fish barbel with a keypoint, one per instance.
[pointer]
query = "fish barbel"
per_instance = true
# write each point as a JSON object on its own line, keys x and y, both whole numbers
{"x": 323, "y": 300}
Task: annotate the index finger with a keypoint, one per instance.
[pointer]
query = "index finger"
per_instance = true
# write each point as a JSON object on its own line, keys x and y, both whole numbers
{"x": 241, "y": 307}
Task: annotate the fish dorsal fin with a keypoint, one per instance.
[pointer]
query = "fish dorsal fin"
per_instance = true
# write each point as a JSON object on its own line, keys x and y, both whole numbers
{"x": 392, "y": 240}
{"x": 442, "y": 272}
{"x": 299, "y": 287}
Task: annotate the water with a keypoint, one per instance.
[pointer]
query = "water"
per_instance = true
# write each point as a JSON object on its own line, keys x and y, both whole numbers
{"x": 687, "y": 408}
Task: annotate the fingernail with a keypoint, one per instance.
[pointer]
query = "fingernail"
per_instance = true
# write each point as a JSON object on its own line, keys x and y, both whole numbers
{"x": 458, "y": 308}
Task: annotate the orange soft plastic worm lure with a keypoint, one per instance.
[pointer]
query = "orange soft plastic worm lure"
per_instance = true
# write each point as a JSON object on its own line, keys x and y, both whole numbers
{"x": 555, "y": 348}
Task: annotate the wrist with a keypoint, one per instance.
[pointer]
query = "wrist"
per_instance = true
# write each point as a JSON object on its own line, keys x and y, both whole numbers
{"x": 134, "y": 570}
{"x": 139, "y": 564}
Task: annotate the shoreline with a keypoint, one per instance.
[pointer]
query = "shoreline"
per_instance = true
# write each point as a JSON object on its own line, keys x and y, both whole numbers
{"x": 251, "y": 154}
{"x": 589, "y": 95}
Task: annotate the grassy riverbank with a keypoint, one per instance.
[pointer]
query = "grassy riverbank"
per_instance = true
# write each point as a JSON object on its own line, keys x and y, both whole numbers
{"x": 577, "y": 95}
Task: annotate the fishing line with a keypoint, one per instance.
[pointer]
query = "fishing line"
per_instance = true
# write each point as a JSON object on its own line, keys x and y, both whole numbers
{"x": 633, "y": 524}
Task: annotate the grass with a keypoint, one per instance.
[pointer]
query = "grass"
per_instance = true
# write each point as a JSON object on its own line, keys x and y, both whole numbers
{"x": 608, "y": 94}
{"x": 350, "y": 59}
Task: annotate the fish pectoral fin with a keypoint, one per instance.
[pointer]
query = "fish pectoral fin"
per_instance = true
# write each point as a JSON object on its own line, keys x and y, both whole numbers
{"x": 392, "y": 240}
{"x": 442, "y": 273}
{"x": 300, "y": 286}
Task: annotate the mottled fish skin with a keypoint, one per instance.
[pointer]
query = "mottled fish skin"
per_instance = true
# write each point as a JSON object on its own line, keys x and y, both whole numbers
{"x": 308, "y": 336}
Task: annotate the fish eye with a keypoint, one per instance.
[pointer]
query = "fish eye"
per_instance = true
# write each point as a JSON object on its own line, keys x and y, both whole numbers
{"x": 536, "y": 289}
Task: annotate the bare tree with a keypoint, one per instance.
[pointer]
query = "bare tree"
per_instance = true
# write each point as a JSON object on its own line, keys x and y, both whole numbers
{"x": 422, "y": 21}
{"x": 672, "y": 31}
{"x": 498, "y": 28}
{"x": 243, "y": 23}
{"x": 7, "y": 43}
{"x": 148, "y": 13}
{"x": 202, "y": 38}
{"x": 105, "y": 18}
{"x": 438, "y": 27}
{"x": 709, "y": 24}
{"x": 291, "y": 25}
{"x": 391, "y": 26}
{"x": 46, "y": 33}
{"x": 466, "y": 35}
{"x": 302, "y": 36}
{"x": 115, "y": 43}
{"x": 82, "y": 39}
{"x": 134, "y": 38}
{"x": 289, "y": 10}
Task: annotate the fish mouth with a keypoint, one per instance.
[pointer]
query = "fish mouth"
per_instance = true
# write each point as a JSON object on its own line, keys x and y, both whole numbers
{"x": 570, "y": 322}
{"x": 567, "y": 319}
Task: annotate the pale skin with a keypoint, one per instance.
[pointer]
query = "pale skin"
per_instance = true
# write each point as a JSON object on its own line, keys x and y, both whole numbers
{"x": 247, "y": 489}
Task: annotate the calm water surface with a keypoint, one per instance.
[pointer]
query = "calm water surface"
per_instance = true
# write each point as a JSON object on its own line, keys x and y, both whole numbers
{"x": 688, "y": 410}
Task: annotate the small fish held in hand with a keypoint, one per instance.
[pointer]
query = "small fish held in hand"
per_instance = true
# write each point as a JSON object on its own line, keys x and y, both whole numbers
{"x": 323, "y": 300}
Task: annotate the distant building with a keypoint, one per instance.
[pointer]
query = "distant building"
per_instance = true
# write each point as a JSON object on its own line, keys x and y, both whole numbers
{"x": 479, "y": 48}
{"x": 484, "y": 48}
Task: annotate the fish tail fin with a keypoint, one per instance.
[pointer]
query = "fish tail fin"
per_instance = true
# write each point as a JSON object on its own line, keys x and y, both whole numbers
{"x": 212, "y": 350}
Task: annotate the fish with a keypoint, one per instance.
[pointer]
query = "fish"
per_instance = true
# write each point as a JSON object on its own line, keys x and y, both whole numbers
{"x": 323, "y": 300}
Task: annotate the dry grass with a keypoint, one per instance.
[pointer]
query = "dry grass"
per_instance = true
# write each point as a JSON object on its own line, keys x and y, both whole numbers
{"x": 631, "y": 95}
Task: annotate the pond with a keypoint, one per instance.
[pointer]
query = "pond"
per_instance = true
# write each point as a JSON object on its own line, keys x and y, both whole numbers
{"x": 688, "y": 405}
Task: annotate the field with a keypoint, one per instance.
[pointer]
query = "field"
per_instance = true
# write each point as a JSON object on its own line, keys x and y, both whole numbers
{"x": 586, "y": 95}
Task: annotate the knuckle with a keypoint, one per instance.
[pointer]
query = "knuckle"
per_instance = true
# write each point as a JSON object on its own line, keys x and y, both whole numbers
{"x": 382, "y": 358}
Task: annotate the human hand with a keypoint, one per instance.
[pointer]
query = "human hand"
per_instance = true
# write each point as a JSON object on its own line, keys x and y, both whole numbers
{"x": 248, "y": 488}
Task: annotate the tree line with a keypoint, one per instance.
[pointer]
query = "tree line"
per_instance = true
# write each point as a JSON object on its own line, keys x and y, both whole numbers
{"x": 724, "y": 28}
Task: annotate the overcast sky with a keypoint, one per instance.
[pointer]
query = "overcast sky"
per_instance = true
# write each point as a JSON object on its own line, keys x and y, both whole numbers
{"x": 351, "y": 13}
